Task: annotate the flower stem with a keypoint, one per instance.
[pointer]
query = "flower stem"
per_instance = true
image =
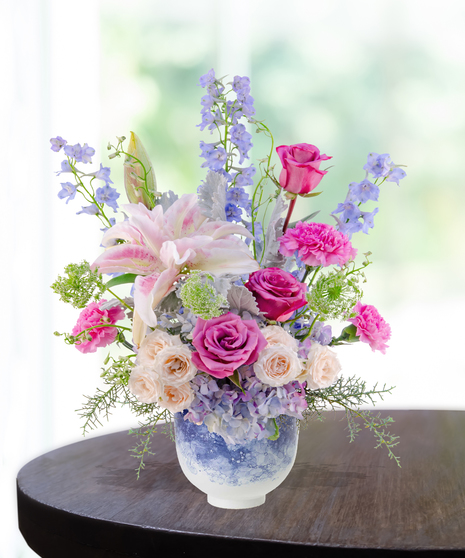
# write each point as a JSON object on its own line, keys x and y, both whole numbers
{"x": 289, "y": 213}
{"x": 120, "y": 299}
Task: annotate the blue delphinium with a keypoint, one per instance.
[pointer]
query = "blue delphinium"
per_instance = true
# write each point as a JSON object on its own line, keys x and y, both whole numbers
{"x": 107, "y": 195}
{"x": 382, "y": 169}
{"x": 57, "y": 143}
{"x": 103, "y": 174}
{"x": 96, "y": 197}
{"x": 224, "y": 115}
{"x": 79, "y": 154}
{"x": 89, "y": 210}
{"x": 381, "y": 166}
{"x": 68, "y": 190}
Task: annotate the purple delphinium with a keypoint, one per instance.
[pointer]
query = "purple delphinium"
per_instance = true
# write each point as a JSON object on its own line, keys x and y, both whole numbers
{"x": 89, "y": 210}
{"x": 103, "y": 174}
{"x": 233, "y": 213}
{"x": 68, "y": 190}
{"x": 65, "y": 167}
{"x": 79, "y": 154}
{"x": 364, "y": 191}
{"x": 107, "y": 195}
{"x": 381, "y": 166}
{"x": 57, "y": 143}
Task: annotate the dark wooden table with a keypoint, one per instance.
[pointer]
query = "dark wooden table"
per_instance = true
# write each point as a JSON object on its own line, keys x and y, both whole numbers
{"x": 340, "y": 499}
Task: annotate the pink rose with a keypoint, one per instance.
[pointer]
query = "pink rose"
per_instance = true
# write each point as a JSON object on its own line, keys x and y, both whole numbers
{"x": 277, "y": 292}
{"x": 371, "y": 327}
{"x": 301, "y": 167}
{"x": 97, "y": 336}
{"x": 225, "y": 343}
{"x": 317, "y": 244}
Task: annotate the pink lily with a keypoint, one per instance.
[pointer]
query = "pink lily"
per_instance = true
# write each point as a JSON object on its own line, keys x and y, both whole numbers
{"x": 160, "y": 248}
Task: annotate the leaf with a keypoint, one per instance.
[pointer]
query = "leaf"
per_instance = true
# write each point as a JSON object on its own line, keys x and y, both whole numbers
{"x": 294, "y": 223}
{"x": 275, "y": 436}
{"x": 310, "y": 195}
{"x": 235, "y": 379}
{"x": 242, "y": 300}
{"x": 121, "y": 280}
{"x": 167, "y": 199}
{"x": 212, "y": 196}
{"x": 272, "y": 257}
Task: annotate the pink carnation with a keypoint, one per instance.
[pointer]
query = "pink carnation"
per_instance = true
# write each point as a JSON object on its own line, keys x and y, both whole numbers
{"x": 371, "y": 327}
{"x": 93, "y": 316}
{"x": 317, "y": 244}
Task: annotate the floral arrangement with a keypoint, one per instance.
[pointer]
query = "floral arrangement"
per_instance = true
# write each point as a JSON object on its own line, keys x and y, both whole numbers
{"x": 222, "y": 318}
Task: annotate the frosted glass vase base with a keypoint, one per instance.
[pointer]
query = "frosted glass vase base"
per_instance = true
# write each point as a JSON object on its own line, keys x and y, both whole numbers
{"x": 235, "y": 476}
{"x": 235, "y": 504}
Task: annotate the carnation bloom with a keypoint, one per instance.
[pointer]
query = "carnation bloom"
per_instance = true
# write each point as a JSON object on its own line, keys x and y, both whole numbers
{"x": 371, "y": 327}
{"x": 96, "y": 319}
{"x": 159, "y": 246}
{"x": 317, "y": 244}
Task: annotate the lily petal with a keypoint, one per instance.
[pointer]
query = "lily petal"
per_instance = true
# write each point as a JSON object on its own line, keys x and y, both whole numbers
{"x": 126, "y": 258}
{"x": 150, "y": 290}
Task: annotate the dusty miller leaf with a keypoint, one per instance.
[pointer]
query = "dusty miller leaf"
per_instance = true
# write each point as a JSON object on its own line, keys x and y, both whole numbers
{"x": 212, "y": 196}
{"x": 167, "y": 199}
{"x": 243, "y": 300}
{"x": 272, "y": 257}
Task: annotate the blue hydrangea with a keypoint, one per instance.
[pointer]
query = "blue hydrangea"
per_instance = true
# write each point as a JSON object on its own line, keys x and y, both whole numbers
{"x": 239, "y": 416}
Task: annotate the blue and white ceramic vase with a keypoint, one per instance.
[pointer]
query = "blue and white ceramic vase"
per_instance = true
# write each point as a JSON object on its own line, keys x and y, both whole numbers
{"x": 235, "y": 476}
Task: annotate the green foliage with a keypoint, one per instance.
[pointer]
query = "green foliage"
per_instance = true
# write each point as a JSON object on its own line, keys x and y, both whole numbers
{"x": 144, "y": 433}
{"x": 115, "y": 392}
{"x": 334, "y": 294}
{"x": 200, "y": 296}
{"x": 80, "y": 285}
{"x": 349, "y": 394}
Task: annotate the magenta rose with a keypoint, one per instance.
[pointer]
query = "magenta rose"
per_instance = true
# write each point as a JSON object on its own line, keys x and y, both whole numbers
{"x": 277, "y": 292}
{"x": 371, "y": 327}
{"x": 301, "y": 167}
{"x": 98, "y": 336}
{"x": 225, "y": 343}
{"x": 317, "y": 244}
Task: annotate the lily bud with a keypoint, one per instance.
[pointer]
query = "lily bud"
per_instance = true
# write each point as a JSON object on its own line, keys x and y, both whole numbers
{"x": 137, "y": 167}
